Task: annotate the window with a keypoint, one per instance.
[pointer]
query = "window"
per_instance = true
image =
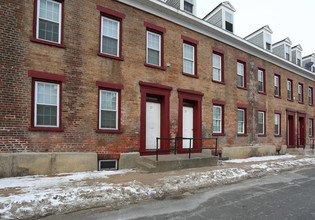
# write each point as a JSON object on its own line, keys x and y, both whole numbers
{"x": 217, "y": 119}
{"x": 300, "y": 93}
{"x": 189, "y": 59}
{"x": 298, "y": 58}
{"x": 241, "y": 121}
{"x": 108, "y": 110}
{"x": 277, "y": 85}
{"x": 110, "y": 33}
{"x": 310, "y": 95}
{"x": 46, "y": 101}
{"x": 241, "y": 76}
{"x": 46, "y": 104}
{"x": 154, "y": 46}
{"x": 229, "y": 21}
{"x": 48, "y": 23}
{"x": 109, "y": 107}
{"x": 277, "y": 124}
{"x": 261, "y": 123}
{"x": 268, "y": 41}
{"x": 289, "y": 89}
{"x": 261, "y": 81}
{"x": 217, "y": 67}
{"x": 189, "y": 5}
{"x": 310, "y": 127}
{"x": 287, "y": 52}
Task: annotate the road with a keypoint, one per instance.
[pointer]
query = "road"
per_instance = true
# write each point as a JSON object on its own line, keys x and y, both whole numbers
{"x": 289, "y": 195}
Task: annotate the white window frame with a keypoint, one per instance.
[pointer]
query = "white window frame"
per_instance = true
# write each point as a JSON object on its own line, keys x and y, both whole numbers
{"x": 225, "y": 20}
{"x": 147, "y": 48}
{"x": 262, "y": 80}
{"x": 276, "y": 84}
{"x": 218, "y": 68}
{"x": 310, "y": 127}
{"x": 287, "y": 50}
{"x": 241, "y": 73}
{"x": 289, "y": 89}
{"x": 36, "y": 103}
{"x": 100, "y": 109}
{"x": 102, "y": 35}
{"x": 310, "y": 96}
{"x": 60, "y": 21}
{"x": 192, "y": 60}
{"x": 242, "y": 122}
{"x": 219, "y": 119}
{"x": 263, "y": 114}
{"x": 267, "y": 35}
{"x": 277, "y": 117}
{"x": 298, "y": 57}
{"x": 300, "y": 93}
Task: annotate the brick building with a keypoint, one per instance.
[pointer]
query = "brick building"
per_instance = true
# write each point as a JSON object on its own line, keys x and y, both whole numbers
{"x": 109, "y": 76}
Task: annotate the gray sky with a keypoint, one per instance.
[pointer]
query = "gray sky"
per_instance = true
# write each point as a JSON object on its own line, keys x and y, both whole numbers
{"x": 286, "y": 18}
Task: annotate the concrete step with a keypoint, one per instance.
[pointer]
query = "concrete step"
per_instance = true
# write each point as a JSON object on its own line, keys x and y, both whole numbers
{"x": 176, "y": 162}
{"x": 300, "y": 151}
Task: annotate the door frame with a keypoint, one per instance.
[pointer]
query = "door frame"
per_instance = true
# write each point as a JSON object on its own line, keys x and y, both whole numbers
{"x": 196, "y": 98}
{"x": 290, "y": 112}
{"x": 164, "y": 92}
{"x": 301, "y": 115}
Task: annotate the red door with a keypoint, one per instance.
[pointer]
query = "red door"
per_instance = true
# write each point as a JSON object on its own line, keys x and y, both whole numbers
{"x": 290, "y": 131}
{"x": 301, "y": 132}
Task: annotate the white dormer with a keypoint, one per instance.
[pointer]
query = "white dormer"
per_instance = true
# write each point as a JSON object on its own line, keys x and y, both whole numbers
{"x": 222, "y": 16}
{"x": 296, "y": 52}
{"x": 261, "y": 38}
{"x": 188, "y": 6}
{"x": 283, "y": 49}
{"x": 308, "y": 62}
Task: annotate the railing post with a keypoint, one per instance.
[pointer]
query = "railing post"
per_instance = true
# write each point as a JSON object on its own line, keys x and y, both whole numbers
{"x": 157, "y": 149}
{"x": 216, "y": 146}
{"x": 189, "y": 147}
{"x": 175, "y": 150}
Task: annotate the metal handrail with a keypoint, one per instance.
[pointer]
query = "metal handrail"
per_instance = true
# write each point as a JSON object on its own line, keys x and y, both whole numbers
{"x": 298, "y": 142}
{"x": 176, "y": 149}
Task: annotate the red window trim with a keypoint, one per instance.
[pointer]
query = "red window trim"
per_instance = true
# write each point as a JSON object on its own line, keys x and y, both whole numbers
{"x": 165, "y": 92}
{"x": 222, "y": 104}
{"x": 302, "y": 84}
{"x": 264, "y": 85}
{"x": 157, "y": 30}
{"x": 109, "y": 87}
{"x": 243, "y": 61}
{"x": 194, "y": 43}
{"x": 261, "y": 67}
{"x": 291, "y": 80}
{"x": 244, "y": 107}
{"x": 279, "y": 76}
{"x": 278, "y": 112}
{"x": 36, "y": 40}
{"x": 196, "y": 97}
{"x": 115, "y": 15}
{"x": 50, "y": 78}
{"x": 312, "y": 92}
{"x": 265, "y": 116}
{"x": 311, "y": 118}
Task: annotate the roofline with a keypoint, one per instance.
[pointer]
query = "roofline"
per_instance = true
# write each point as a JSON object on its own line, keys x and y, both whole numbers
{"x": 196, "y": 24}
{"x": 219, "y": 5}
{"x": 260, "y": 29}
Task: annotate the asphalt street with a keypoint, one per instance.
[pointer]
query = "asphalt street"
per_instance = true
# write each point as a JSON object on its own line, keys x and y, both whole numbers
{"x": 289, "y": 195}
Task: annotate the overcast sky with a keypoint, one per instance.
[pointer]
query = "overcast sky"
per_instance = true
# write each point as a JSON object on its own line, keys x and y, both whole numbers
{"x": 286, "y": 18}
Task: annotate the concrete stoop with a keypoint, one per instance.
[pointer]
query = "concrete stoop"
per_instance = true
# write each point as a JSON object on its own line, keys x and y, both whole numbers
{"x": 175, "y": 162}
{"x": 301, "y": 151}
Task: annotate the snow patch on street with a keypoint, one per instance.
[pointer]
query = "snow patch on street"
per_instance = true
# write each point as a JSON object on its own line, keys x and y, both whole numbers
{"x": 43, "y": 195}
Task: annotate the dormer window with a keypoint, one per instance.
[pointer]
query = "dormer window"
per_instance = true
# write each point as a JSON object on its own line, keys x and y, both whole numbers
{"x": 298, "y": 58}
{"x": 267, "y": 41}
{"x": 228, "y": 21}
{"x": 287, "y": 52}
{"x": 189, "y": 5}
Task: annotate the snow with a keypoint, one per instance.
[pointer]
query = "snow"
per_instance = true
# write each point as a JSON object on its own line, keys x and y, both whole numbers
{"x": 37, "y": 196}
{"x": 257, "y": 159}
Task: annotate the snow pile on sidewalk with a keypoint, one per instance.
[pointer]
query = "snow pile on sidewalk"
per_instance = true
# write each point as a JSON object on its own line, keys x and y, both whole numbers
{"x": 258, "y": 159}
{"x": 37, "y": 196}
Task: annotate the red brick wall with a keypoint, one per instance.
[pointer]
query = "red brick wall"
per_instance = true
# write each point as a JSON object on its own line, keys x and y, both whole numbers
{"x": 82, "y": 67}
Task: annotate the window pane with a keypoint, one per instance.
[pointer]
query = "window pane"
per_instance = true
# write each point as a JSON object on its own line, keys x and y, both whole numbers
{"x": 153, "y": 57}
{"x": 110, "y": 28}
{"x": 108, "y": 100}
{"x": 188, "y": 67}
{"x": 216, "y": 61}
{"x": 48, "y": 30}
{"x": 188, "y": 52}
{"x": 188, "y": 7}
{"x": 240, "y": 69}
{"x": 46, "y": 115}
{"x": 240, "y": 115}
{"x": 108, "y": 119}
{"x": 153, "y": 41}
{"x": 228, "y": 17}
{"x": 47, "y": 93}
{"x": 110, "y": 46}
{"x": 217, "y": 119}
{"x": 240, "y": 81}
{"x": 260, "y": 122}
{"x": 49, "y": 10}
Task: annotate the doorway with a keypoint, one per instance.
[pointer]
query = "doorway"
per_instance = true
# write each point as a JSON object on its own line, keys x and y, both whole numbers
{"x": 291, "y": 129}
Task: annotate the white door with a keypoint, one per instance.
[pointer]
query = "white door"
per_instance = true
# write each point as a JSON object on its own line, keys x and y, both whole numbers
{"x": 188, "y": 121}
{"x": 153, "y": 124}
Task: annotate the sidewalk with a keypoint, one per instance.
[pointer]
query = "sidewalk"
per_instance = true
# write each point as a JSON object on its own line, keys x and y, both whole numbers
{"x": 37, "y": 196}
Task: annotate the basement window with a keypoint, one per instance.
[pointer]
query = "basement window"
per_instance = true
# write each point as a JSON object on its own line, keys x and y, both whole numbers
{"x": 107, "y": 164}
